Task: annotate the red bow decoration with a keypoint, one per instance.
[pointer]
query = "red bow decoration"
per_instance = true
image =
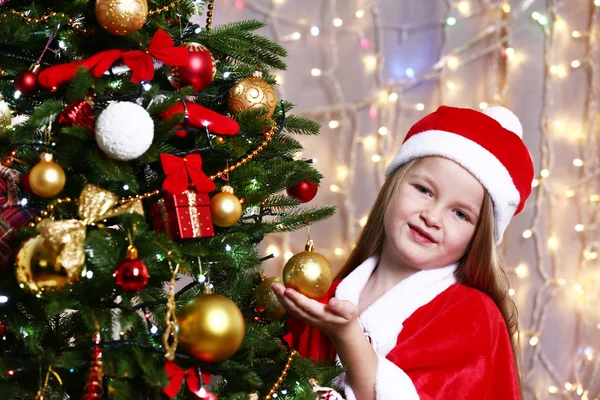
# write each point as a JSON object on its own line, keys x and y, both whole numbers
{"x": 162, "y": 48}
{"x": 140, "y": 62}
{"x": 79, "y": 112}
{"x": 59, "y": 74}
{"x": 177, "y": 375}
{"x": 200, "y": 117}
{"x": 179, "y": 169}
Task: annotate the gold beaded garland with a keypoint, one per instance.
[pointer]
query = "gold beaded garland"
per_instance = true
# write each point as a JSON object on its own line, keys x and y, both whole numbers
{"x": 284, "y": 373}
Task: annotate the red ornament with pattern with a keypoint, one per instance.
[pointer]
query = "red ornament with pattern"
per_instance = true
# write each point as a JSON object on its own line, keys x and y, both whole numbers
{"x": 198, "y": 72}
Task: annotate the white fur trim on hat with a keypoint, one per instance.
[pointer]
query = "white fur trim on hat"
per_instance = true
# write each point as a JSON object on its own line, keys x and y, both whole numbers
{"x": 482, "y": 164}
{"x": 506, "y": 118}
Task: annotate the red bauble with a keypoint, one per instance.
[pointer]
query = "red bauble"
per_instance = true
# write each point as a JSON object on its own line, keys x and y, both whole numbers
{"x": 305, "y": 191}
{"x": 26, "y": 82}
{"x": 199, "y": 71}
{"x": 132, "y": 275}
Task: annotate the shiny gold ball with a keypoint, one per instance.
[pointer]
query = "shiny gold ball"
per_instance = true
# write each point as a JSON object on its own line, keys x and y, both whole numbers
{"x": 47, "y": 178}
{"x": 309, "y": 273}
{"x": 225, "y": 208}
{"x": 5, "y": 117}
{"x": 251, "y": 93}
{"x": 37, "y": 266}
{"x": 211, "y": 328}
{"x": 266, "y": 302}
{"x": 121, "y": 17}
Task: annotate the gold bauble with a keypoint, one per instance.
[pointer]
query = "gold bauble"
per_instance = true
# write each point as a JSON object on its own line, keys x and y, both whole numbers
{"x": 266, "y": 301}
{"x": 5, "y": 117}
{"x": 308, "y": 272}
{"x": 37, "y": 266}
{"x": 47, "y": 178}
{"x": 225, "y": 208}
{"x": 250, "y": 93}
{"x": 121, "y": 17}
{"x": 211, "y": 328}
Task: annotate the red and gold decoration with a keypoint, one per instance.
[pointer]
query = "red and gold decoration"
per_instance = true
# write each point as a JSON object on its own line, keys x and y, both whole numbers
{"x": 47, "y": 178}
{"x": 170, "y": 334}
{"x": 139, "y": 62}
{"x": 41, "y": 394}
{"x": 308, "y": 272}
{"x": 202, "y": 118}
{"x": 5, "y": 117}
{"x": 194, "y": 381}
{"x": 183, "y": 213}
{"x": 211, "y": 327}
{"x": 121, "y": 17}
{"x": 60, "y": 244}
{"x": 198, "y": 72}
{"x": 305, "y": 191}
{"x": 79, "y": 112}
{"x": 225, "y": 208}
{"x": 93, "y": 389}
{"x": 27, "y": 81}
{"x": 265, "y": 299}
{"x": 251, "y": 93}
{"x": 132, "y": 274}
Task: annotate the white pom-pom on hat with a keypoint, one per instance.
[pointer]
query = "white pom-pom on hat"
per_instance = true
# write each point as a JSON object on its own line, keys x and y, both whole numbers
{"x": 124, "y": 131}
{"x": 506, "y": 118}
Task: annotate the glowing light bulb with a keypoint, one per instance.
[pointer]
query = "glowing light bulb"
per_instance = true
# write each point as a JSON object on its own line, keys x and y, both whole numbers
{"x": 287, "y": 255}
{"x": 579, "y": 227}
{"x": 464, "y": 7}
{"x": 535, "y": 15}
{"x": 393, "y": 97}
{"x": 535, "y": 183}
{"x": 315, "y": 72}
{"x": 339, "y": 251}
{"x": 453, "y": 63}
{"x": 577, "y": 287}
{"x": 363, "y": 221}
{"x": 527, "y": 234}
{"x": 568, "y": 385}
{"x": 296, "y": 35}
{"x": 522, "y": 270}
{"x": 569, "y": 193}
{"x": 382, "y": 130}
{"x": 511, "y": 292}
{"x": 509, "y": 51}
{"x": 342, "y": 172}
{"x": 410, "y": 73}
{"x": 360, "y": 13}
{"x": 375, "y": 158}
{"x": 595, "y": 197}
{"x": 315, "y": 31}
{"x": 369, "y": 142}
{"x": 483, "y": 105}
{"x": 420, "y": 106}
{"x": 451, "y": 21}
{"x": 370, "y": 62}
{"x": 506, "y": 7}
{"x": 552, "y": 242}
{"x": 272, "y": 249}
{"x": 552, "y": 389}
{"x": 334, "y": 188}
{"x": 337, "y": 22}
{"x": 578, "y": 162}
{"x": 333, "y": 124}
{"x": 534, "y": 341}
{"x": 576, "y": 34}
{"x": 597, "y": 3}
{"x": 545, "y": 173}
{"x": 450, "y": 85}
{"x": 575, "y": 64}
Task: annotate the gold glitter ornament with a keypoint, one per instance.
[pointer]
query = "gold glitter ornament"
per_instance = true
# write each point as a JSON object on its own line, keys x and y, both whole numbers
{"x": 308, "y": 272}
{"x": 225, "y": 208}
{"x": 266, "y": 302}
{"x": 5, "y": 117}
{"x": 121, "y": 17}
{"x": 251, "y": 93}
{"x": 38, "y": 268}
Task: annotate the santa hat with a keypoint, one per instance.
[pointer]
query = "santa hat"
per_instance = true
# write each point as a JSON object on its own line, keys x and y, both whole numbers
{"x": 488, "y": 144}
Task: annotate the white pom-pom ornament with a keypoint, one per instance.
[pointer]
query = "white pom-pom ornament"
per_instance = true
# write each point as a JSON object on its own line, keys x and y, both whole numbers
{"x": 124, "y": 131}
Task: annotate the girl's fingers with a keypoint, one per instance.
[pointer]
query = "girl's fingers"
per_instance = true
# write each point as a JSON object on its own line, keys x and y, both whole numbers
{"x": 342, "y": 308}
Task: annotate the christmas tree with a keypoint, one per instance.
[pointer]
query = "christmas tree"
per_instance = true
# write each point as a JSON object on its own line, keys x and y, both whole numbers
{"x": 147, "y": 159}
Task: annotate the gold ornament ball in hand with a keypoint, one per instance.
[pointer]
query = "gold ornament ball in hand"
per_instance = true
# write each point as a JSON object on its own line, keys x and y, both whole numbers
{"x": 308, "y": 272}
{"x": 47, "y": 178}
{"x": 37, "y": 266}
{"x": 121, "y": 17}
{"x": 225, "y": 208}
{"x": 266, "y": 302}
{"x": 250, "y": 93}
{"x": 211, "y": 328}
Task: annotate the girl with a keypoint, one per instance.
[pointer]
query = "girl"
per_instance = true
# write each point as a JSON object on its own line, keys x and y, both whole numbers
{"x": 420, "y": 310}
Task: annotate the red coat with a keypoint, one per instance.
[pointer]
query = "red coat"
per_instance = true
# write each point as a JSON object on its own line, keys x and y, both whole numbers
{"x": 454, "y": 345}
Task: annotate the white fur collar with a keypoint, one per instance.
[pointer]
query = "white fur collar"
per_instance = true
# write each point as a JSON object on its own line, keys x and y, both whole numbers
{"x": 383, "y": 319}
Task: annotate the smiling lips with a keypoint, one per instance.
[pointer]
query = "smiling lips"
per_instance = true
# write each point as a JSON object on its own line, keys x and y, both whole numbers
{"x": 420, "y": 235}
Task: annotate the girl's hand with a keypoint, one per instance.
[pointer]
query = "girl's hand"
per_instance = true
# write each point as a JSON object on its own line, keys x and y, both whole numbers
{"x": 334, "y": 319}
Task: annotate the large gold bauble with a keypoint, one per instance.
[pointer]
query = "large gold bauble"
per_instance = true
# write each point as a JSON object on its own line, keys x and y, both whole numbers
{"x": 37, "y": 266}
{"x": 47, "y": 178}
{"x": 225, "y": 208}
{"x": 250, "y": 93}
{"x": 211, "y": 328}
{"x": 5, "y": 117}
{"x": 265, "y": 300}
{"x": 308, "y": 272}
{"x": 121, "y": 17}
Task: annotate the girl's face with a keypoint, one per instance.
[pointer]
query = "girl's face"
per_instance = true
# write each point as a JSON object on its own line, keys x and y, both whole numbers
{"x": 432, "y": 218}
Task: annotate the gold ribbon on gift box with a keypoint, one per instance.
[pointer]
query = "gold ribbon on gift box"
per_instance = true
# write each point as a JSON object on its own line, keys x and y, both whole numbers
{"x": 66, "y": 238}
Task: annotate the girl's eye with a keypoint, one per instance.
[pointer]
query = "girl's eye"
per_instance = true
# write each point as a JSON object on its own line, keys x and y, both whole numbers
{"x": 423, "y": 190}
{"x": 462, "y": 215}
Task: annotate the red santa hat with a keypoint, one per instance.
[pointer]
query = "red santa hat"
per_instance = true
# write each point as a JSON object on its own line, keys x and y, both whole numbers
{"x": 488, "y": 144}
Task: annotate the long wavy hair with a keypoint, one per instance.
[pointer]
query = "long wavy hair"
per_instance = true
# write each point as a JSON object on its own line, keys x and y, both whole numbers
{"x": 480, "y": 267}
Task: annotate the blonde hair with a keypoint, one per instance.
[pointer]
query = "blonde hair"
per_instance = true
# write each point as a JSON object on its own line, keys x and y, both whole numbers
{"x": 480, "y": 267}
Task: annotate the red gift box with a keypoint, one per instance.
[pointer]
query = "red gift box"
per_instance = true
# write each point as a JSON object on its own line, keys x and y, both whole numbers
{"x": 183, "y": 216}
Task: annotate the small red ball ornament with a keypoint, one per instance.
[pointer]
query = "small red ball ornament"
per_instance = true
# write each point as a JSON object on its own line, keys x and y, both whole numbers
{"x": 199, "y": 71}
{"x": 305, "y": 191}
{"x": 26, "y": 81}
{"x": 132, "y": 274}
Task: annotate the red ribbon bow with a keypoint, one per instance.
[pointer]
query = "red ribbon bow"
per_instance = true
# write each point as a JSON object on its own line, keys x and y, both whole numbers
{"x": 162, "y": 48}
{"x": 179, "y": 169}
{"x": 177, "y": 375}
